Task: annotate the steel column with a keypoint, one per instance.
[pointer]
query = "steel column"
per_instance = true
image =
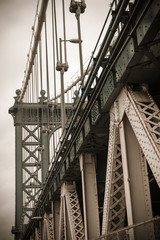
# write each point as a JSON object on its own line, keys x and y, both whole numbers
{"x": 48, "y": 220}
{"x": 56, "y": 216}
{"x": 37, "y": 233}
{"x": 137, "y": 111}
{"x": 90, "y": 196}
{"x": 144, "y": 117}
{"x": 136, "y": 182}
{"x": 45, "y": 151}
{"x": 114, "y": 199}
{"x": 71, "y": 225}
{"x": 62, "y": 221}
{"x": 19, "y": 188}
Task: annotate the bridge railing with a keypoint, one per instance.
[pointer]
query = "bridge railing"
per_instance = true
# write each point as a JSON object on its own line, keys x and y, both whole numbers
{"x": 152, "y": 227}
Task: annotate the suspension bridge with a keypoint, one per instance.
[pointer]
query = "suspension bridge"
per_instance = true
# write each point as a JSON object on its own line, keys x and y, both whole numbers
{"x": 88, "y": 156}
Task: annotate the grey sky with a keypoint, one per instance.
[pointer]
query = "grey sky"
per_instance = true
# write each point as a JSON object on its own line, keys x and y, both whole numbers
{"x": 16, "y": 19}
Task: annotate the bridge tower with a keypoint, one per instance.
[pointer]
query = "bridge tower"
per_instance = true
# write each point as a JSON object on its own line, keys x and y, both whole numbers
{"x": 34, "y": 123}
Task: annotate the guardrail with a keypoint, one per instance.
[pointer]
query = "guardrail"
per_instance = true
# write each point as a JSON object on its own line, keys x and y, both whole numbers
{"x": 151, "y": 226}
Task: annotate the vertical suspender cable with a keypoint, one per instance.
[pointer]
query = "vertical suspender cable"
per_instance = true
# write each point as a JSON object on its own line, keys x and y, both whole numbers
{"x": 53, "y": 42}
{"x": 41, "y": 78}
{"x": 48, "y": 90}
{"x": 29, "y": 93}
{"x": 64, "y": 32}
{"x": 40, "y": 61}
{"x": 35, "y": 41}
{"x": 32, "y": 87}
{"x": 37, "y": 77}
{"x": 35, "y": 80}
{"x": 56, "y": 35}
{"x": 47, "y": 73}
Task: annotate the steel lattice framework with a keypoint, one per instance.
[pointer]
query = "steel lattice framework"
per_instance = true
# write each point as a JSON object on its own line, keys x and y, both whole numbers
{"x": 127, "y": 105}
{"x": 144, "y": 116}
{"x": 35, "y": 125}
{"x": 70, "y": 209}
{"x": 114, "y": 204}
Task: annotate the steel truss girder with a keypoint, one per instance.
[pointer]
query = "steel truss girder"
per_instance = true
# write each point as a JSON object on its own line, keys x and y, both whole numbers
{"x": 114, "y": 199}
{"x": 31, "y": 165}
{"x": 39, "y": 113}
{"x": 48, "y": 231}
{"x": 135, "y": 120}
{"x": 62, "y": 220}
{"x": 56, "y": 217}
{"x": 37, "y": 233}
{"x": 144, "y": 117}
{"x": 136, "y": 183}
{"x": 71, "y": 223}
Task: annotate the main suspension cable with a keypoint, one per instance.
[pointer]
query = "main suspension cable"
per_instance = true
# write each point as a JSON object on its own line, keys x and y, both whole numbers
{"x": 53, "y": 43}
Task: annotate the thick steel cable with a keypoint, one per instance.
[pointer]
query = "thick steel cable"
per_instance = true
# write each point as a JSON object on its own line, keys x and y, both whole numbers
{"x": 56, "y": 34}
{"x": 95, "y": 48}
{"x": 32, "y": 87}
{"x": 54, "y": 70}
{"x": 40, "y": 63}
{"x": 31, "y": 41}
{"x": 47, "y": 81}
{"x": 46, "y": 48}
{"x": 37, "y": 77}
{"x": 53, "y": 137}
{"x": 53, "y": 49}
{"x": 35, "y": 45}
{"x": 26, "y": 95}
{"x": 64, "y": 32}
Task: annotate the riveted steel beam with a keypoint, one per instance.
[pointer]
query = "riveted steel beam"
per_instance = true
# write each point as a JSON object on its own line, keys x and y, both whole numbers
{"x": 90, "y": 196}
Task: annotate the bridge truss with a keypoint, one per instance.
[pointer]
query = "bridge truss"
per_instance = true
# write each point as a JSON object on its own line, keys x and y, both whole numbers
{"x": 102, "y": 179}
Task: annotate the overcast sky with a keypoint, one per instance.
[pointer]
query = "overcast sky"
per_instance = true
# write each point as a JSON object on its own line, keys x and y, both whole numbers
{"x": 16, "y": 20}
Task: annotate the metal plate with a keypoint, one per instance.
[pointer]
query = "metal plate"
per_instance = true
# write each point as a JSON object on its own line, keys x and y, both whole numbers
{"x": 124, "y": 59}
{"x": 107, "y": 89}
{"x": 147, "y": 21}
